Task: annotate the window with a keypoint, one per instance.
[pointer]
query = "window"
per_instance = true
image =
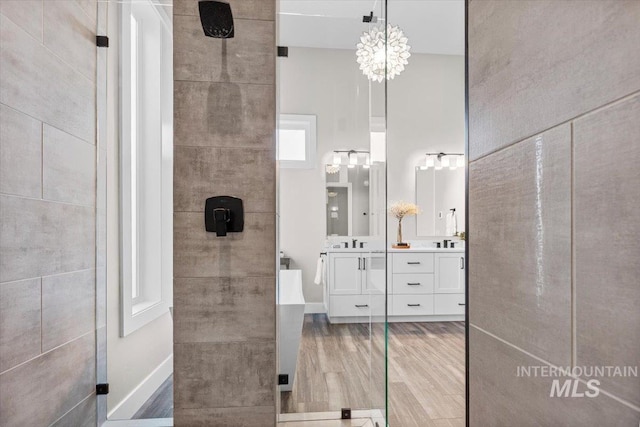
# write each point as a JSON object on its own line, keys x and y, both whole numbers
{"x": 146, "y": 164}
{"x": 297, "y": 141}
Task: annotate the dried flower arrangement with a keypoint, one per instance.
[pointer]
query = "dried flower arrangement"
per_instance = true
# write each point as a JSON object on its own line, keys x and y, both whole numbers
{"x": 399, "y": 210}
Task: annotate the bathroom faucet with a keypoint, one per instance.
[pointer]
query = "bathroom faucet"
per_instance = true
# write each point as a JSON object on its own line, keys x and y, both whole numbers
{"x": 354, "y": 242}
{"x": 446, "y": 243}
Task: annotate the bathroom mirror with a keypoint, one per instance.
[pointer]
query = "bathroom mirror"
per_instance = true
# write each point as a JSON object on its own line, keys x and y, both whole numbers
{"x": 347, "y": 201}
{"x": 437, "y": 192}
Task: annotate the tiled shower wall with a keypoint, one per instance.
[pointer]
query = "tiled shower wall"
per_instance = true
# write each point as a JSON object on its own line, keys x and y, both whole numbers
{"x": 554, "y": 138}
{"x": 47, "y": 213}
{"x": 224, "y": 287}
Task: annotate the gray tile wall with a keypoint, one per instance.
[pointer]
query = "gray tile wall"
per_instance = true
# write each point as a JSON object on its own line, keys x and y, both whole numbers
{"x": 224, "y": 288}
{"x": 47, "y": 213}
{"x": 554, "y": 102}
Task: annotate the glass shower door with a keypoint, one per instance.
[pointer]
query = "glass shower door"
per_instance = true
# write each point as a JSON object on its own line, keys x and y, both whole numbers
{"x": 331, "y": 211}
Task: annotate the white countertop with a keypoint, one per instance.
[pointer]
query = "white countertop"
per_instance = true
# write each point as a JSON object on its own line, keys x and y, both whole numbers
{"x": 423, "y": 249}
{"x": 393, "y": 250}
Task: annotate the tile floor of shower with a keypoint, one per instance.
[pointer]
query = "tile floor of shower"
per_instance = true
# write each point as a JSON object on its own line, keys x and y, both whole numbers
{"x": 426, "y": 374}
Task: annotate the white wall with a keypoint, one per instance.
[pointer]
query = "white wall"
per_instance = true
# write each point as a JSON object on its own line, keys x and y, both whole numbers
{"x": 425, "y": 113}
{"x": 130, "y": 360}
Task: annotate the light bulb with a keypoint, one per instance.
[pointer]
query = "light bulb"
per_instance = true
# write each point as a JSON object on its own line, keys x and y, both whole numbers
{"x": 454, "y": 164}
{"x": 431, "y": 162}
{"x": 337, "y": 159}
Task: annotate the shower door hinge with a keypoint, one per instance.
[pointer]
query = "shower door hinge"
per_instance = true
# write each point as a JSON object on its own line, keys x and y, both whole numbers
{"x": 283, "y": 379}
{"x": 102, "y": 388}
{"x": 283, "y": 51}
{"x": 371, "y": 18}
{"x": 102, "y": 41}
{"x": 346, "y": 413}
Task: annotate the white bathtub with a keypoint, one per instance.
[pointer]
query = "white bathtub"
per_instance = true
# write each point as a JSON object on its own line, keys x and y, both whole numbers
{"x": 291, "y": 312}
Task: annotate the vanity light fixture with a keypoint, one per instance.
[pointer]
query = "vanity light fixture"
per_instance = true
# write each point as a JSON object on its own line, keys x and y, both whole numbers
{"x": 438, "y": 161}
{"x": 351, "y": 158}
{"x": 337, "y": 158}
{"x": 444, "y": 161}
{"x": 453, "y": 163}
{"x": 438, "y": 164}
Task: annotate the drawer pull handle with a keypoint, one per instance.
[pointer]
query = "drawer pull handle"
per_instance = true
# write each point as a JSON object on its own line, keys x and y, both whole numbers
{"x": 413, "y": 305}
{"x": 413, "y": 284}
{"x": 362, "y": 305}
{"x": 461, "y": 303}
{"x": 413, "y": 262}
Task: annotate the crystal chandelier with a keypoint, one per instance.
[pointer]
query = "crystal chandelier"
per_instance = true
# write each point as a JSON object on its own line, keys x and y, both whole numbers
{"x": 331, "y": 169}
{"x": 371, "y": 52}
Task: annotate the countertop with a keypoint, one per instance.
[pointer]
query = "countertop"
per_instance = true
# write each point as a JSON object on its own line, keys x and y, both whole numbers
{"x": 393, "y": 250}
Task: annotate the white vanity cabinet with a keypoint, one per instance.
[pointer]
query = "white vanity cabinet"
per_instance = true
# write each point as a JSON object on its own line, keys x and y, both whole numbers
{"x": 355, "y": 291}
{"x": 345, "y": 273}
{"x": 427, "y": 285}
{"x": 450, "y": 271}
{"x": 423, "y": 286}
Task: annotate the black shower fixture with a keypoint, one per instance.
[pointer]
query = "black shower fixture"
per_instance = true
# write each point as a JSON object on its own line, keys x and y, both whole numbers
{"x": 216, "y": 18}
{"x": 370, "y": 19}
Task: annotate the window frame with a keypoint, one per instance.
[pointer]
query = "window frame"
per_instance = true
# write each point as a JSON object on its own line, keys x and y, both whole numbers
{"x": 153, "y": 299}
{"x": 306, "y": 122}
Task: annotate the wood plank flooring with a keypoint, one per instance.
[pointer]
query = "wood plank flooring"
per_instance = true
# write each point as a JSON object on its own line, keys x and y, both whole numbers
{"x": 160, "y": 404}
{"x": 426, "y": 371}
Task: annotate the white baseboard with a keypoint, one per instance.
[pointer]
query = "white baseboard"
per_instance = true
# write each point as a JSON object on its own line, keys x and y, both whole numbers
{"x": 314, "y": 308}
{"x": 143, "y": 391}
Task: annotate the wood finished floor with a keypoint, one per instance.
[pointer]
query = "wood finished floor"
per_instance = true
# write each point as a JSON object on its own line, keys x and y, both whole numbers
{"x": 160, "y": 404}
{"x": 426, "y": 371}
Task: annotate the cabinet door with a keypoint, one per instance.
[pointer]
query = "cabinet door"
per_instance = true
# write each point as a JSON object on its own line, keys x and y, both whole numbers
{"x": 450, "y": 273}
{"x": 373, "y": 273}
{"x": 346, "y": 274}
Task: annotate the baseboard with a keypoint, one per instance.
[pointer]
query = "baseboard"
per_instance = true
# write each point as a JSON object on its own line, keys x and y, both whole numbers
{"x": 143, "y": 391}
{"x": 314, "y": 308}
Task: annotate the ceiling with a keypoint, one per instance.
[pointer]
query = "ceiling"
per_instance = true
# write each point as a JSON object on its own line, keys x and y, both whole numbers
{"x": 432, "y": 26}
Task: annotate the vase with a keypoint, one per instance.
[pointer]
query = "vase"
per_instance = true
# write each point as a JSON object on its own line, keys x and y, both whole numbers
{"x": 399, "y": 238}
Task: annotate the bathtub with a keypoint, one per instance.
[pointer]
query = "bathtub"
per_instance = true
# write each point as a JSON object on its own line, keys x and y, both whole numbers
{"x": 291, "y": 312}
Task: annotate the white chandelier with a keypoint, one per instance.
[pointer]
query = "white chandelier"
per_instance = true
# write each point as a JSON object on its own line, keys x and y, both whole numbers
{"x": 371, "y": 52}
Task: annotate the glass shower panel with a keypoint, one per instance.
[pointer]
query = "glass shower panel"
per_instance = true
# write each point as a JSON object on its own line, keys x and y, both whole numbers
{"x": 426, "y": 114}
{"x": 101, "y": 212}
{"x": 332, "y": 211}
{"x": 134, "y": 209}
{"x": 375, "y": 38}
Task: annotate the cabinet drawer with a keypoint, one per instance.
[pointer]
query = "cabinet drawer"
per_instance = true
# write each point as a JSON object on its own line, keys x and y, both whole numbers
{"x": 413, "y": 283}
{"x": 412, "y": 305}
{"x": 356, "y": 305}
{"x": 413, "y": 263}
{"x": 449, "y": 304}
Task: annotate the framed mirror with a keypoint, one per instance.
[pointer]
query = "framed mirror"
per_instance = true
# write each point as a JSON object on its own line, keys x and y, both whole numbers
{"x": 440, "y": 194}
